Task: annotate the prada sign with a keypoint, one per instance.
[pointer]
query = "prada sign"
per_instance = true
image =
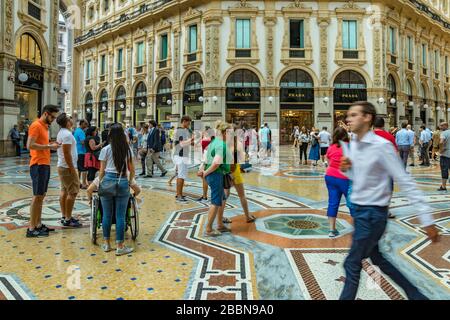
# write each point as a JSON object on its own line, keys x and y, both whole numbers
{"x": 243, "y": 95}
{"x": 349, "y": 95}
{"x": 35, "y": 75}
{"x": 297, "y": 95}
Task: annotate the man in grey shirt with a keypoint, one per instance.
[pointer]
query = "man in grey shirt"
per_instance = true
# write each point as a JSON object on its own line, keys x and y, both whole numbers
{"x": 444, "y": 147}
{"x": 373, "y": 164}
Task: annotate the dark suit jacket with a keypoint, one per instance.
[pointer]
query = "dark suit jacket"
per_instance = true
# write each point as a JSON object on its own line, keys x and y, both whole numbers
{"x": 154, "y": 140}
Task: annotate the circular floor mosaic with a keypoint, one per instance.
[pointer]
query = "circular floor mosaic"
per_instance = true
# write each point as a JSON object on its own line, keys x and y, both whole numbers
{"x": 300, "y": 226}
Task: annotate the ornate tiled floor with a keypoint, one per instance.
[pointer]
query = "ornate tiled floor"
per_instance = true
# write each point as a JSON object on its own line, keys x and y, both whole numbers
{"x": 286, "y": 254}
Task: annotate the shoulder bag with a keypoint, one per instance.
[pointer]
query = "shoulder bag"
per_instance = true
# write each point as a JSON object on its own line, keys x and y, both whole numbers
{"x": 110, "y": 188}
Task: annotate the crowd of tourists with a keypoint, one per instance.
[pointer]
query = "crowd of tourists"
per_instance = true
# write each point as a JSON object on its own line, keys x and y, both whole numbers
{"x": 362, "y": 163}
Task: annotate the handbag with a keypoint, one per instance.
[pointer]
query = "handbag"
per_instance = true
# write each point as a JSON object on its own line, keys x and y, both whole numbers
{"x": 227, "y": 181}
{"x": 110, "y": 188}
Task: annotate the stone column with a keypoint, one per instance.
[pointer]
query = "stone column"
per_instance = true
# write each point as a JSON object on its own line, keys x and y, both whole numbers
{"x": 213, "y": 110}
{"x": 323, "y": 93}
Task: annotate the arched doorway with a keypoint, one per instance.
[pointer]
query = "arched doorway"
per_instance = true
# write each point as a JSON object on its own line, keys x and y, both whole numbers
{"x": 140, "y": 104}
{"x": 29, "y": 81}
{"x": 423, "y": 96}
{"x": 410, "y": 103}
{"x": 296, "y": 103}
{"x": 164, "y": 102}
{"x": 391, "y": 102}
{"x": 103, "y": 109}
{"x": 193, "y": 99}
{"x": 349, "y": 86}
{"x": 88, "y": 106}
{"x": 120, "y": 104}
{"x": 243, "y": 98}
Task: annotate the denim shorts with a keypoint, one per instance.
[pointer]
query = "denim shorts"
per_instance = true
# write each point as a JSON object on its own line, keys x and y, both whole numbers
{"x": 40, "y": 176}
{"x": 445, "y": 166}
{"x": 215, "y": 182}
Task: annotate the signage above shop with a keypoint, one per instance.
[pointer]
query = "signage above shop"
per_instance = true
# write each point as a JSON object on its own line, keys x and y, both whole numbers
{"x": 297, "y": 95}
{"x": 349, "y": 95}
{"x": 35, "y": 75}
{"x": 243, "y": 95}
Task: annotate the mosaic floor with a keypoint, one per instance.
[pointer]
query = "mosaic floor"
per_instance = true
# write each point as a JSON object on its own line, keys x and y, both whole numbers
{"x": 286, "y": 254}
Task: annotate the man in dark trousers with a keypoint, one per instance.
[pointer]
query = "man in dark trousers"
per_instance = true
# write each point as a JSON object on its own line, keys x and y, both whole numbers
{"x": 154, "y": 148}
{"x": 15, "y": 137}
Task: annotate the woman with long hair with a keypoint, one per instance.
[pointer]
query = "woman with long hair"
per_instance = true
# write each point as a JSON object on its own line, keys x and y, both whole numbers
{"x": 303, "y": 141}
{"x": 93, "y": 147}
{"x": 117, "y": 168}
{"x": 337, "y": 183}
{"x": 314, "y": 151}
{"x": 214, "y": 170}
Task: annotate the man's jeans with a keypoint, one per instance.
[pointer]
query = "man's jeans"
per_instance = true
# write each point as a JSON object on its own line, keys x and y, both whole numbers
{"x": 404, "y": 153}
{"x": 425, "y": 154}
{"x": 370, "y": 224}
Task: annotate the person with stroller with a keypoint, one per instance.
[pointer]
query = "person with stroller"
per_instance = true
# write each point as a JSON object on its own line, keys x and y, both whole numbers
{"x": 116, "y": 170}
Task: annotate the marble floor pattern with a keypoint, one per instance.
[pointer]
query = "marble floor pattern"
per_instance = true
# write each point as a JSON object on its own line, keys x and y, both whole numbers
{"x": 286, "y": 254}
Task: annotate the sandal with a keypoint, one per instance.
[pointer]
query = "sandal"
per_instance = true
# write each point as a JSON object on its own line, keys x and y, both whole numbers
{"x": 213, "y": 233}
{"x": 251, "y": 219}
{"x": 226, "y": 220}
{"x": 224, "y": 229}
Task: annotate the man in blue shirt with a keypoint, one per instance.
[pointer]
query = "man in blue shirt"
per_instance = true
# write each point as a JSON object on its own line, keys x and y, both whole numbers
{"x": 404, "y": 141}
{"x": 424, "y": 142}
{"x": 80, "y": 137}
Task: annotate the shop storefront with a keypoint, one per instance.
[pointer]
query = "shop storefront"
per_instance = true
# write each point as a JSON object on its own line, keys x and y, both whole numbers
{"x": 140, "y": 104}
{"x": 193, "y": 99}
{"x": 296, "y": 103}
{"x": 120, "y": 105}
{"x": 391, "y": 102}
{"x": 88, "y": 107}
{"x": 164, "y": 102}
{"x": 243, "y": 98}
{"x": 434, "y": 109}
{"x": 424, "y": 106}
{"x": 103, "y": 109}
{"x": 349, "y": 86}
{"x": 29, "y": 81}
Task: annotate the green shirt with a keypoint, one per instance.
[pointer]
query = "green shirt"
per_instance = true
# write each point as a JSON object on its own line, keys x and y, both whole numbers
{"x": 218, "y": 147}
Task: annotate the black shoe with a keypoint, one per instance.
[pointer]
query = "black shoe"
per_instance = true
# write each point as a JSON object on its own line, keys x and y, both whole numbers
{"x": 391, "y": 216}
{"x": 46, "y": 229}
{"x": 442, "y": 189}
{"x": 148, "y": 176}
{"x": 142, "y": 174}
{"x": 412, "y": 165}
{"x": 36, "y": 233}
{"x": 163, "y": 174}
{"x": 202, "y": 199}
{"x": 62, "y": 220}
{"x": 72, "y": 223}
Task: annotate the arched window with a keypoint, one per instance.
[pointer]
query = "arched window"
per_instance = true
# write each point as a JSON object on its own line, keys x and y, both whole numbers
{"x": 27, "y": 49}
{"x": 243, "y": 78}
{"x": 89, "y": 100}
{"x": 349, "y": 79}
{"x": 121, "y": 93}
{"x": 193, "y": 82}
{"x": 422, "y": 91}
{"x": 391, "y": 84}
{"x": 164, "y": 86}
{"x": 296, "y": 79}
{"x": 141, "y": 90}
{"x": 104, "y": 96}
{"x": 409, "y": 88}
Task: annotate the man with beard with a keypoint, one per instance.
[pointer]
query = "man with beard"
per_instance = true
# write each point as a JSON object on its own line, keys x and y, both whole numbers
{"x": 39, "y": 146}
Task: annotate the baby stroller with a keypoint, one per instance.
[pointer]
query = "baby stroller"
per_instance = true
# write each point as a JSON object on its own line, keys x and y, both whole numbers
{"x": 131, "y": 219}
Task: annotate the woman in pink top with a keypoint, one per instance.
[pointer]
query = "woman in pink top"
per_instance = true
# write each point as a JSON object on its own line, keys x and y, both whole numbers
{"x": 337, "y": 183}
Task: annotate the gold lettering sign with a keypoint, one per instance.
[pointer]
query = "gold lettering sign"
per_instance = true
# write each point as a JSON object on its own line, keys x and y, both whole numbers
{"x": 32, "y": 75}
{"x": 296, "y": 95}
{"x": 345, "y": 95}
{"x": 242, "y": 94}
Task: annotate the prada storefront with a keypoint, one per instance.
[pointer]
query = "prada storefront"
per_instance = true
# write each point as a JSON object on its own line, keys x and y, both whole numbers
{"x": 120, "y": 105}
{"x": 193, "y": 99}
{"x": 164, "y": 102}
{"x": 140, "y": 104}
{"x": 349, "y": 86}
{"x": 103, "y": 109}
{"x": 409, "y": 104}
{"x": 296, "y": 103}
{"x": 243, "y": 98}
{"x": 29, "y": 80}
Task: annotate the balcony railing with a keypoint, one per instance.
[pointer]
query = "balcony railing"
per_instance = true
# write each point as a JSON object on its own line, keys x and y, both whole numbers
{"x": 192, "y": 57}
{"x": 296, "y": 53}
{"x": 143, "y": 9}
{"x": 163, "y": 64}
{"x": 34, "y": 11}
{"x": 243, "y": 53}
{"x": 350, "y": 54}
{"x": 139, "y": 69}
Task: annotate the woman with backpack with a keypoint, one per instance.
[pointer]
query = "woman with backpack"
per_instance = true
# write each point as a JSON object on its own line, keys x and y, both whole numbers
{"x": 314, "y": 152}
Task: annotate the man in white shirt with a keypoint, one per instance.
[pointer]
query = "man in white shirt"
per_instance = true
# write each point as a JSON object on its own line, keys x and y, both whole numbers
{"x": 374, "y": 162}
{"x": 68, "y": 174}
{"x": 413, "y": 137}
{"x": 324, "y": 141}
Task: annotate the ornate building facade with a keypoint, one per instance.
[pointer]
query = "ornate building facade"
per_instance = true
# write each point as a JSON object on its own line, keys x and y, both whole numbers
{"x": 282, "y": 62}
{"x": 29, "y": 74}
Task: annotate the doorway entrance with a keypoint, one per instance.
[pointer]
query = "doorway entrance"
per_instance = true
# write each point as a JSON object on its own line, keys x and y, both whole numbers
{"x": 243, "y": 117}
{"x": 291, "y": 118}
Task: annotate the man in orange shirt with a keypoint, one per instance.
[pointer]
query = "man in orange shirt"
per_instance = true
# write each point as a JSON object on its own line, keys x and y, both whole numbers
{"x": 39, "y": 146}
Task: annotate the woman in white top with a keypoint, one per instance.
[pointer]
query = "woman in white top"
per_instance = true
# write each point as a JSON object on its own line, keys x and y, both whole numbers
{"x": 117, "y": 168}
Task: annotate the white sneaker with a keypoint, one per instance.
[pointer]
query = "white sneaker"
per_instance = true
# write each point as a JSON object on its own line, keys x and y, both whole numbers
{"x": 123, "y": 251}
